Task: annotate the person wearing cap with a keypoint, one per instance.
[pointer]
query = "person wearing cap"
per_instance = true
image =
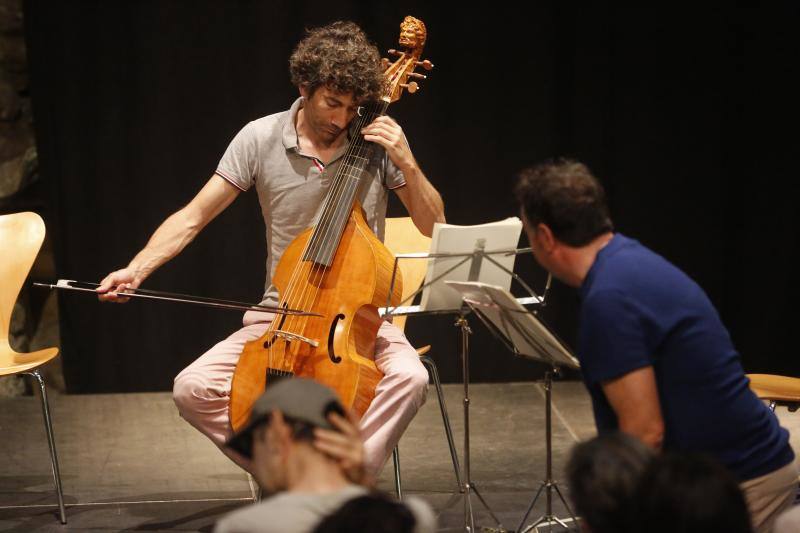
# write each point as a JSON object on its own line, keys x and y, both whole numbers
{"x": 307, "y": 455}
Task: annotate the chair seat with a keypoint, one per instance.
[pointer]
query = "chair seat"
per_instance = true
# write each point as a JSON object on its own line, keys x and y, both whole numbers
{"x": 12, "y": 362}
{"x": 773, "y": 387}
{"x": 21, "y": 237}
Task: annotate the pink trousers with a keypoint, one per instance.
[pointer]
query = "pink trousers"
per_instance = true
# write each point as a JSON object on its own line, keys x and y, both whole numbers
{"x": 202, "y": 390}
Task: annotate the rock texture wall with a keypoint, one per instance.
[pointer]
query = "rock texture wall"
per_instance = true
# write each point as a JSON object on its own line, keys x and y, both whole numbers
{"x": 17, "y": 148}
{"x": 18, "y": 163}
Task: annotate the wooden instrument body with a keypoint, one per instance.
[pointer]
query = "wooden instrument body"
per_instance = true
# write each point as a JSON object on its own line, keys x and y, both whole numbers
{"x": 347, "y": 297}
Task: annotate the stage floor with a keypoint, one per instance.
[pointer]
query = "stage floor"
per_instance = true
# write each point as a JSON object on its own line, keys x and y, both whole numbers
{"x": 129, "y": 463}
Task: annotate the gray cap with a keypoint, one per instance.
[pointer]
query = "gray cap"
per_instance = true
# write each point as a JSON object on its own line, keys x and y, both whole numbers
{"x": 296, "y": 398}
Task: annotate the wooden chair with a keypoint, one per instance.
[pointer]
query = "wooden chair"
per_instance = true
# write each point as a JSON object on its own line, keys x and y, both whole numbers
{"x": 777, "y": 390}
{"x": 402, "y": 236}
{"x": 21, "y": 236}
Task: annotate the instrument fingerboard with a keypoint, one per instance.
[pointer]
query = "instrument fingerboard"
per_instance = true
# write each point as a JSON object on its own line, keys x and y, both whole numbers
{"x": 345, "y": 186}
{"x": 342, "y": 195}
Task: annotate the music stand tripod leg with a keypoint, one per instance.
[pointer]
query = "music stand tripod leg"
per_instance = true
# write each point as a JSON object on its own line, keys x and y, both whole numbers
{"x": 469, "y": 487}
{"x": 530, "y": 508}
{"x": 566, "y": 504}
{"x": 548, "y": 485}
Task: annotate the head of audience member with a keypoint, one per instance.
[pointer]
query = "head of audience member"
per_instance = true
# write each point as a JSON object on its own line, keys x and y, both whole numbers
{"x": 566, "y": 218}
{"x": 603, "y": 475}
{"x": 374, "y": 512}
{"x": 279, "y": 437}
{"x": 336, "y": 69}
{"x": 687, "y": 493}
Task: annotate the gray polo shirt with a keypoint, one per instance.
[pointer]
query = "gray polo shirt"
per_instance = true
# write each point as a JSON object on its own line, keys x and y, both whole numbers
{"x": 297, "y": 512}
{"x": 291, "y": 185}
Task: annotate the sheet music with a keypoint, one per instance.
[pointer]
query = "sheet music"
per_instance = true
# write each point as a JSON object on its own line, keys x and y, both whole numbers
{"x": 449, "y": 238}
{"x": 526, "y": 333}
{"x": 417, "y": 310}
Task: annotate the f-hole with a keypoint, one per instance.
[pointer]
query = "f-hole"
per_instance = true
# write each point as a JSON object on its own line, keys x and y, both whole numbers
{"x": 269, "y": 342}
{"x": 331, "y": 354}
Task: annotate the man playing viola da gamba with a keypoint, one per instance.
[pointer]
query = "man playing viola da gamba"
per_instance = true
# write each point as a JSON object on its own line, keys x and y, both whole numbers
{"x": 290, "y": 159}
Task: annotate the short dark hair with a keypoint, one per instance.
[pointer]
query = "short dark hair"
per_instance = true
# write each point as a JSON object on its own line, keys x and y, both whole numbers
{"x": 301, "y": 430}
{"x": 374, "y": 512}
{"x": 564, "y": 195}
{"x": 338, "y": 56}
{"x": 689, "y": 493}
{"x": 603, "y": 475}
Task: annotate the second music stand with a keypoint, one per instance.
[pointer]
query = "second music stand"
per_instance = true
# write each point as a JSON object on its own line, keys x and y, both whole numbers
{"x": 528, "y": 337}
{"x": 475, "y": 259}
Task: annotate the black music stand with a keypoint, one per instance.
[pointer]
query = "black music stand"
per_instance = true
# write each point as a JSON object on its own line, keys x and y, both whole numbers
{"x": 528, "y": 337}
{"x": 474, "y": 259}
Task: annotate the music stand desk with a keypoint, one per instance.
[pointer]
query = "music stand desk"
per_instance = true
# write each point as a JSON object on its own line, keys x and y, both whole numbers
{"x": 528, "y": 337}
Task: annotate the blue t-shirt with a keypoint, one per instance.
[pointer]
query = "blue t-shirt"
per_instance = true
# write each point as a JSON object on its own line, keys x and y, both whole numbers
{"x": 640, "y": 310}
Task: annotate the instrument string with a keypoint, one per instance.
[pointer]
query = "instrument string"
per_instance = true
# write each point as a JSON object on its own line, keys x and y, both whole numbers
{"x": 297, "y": 274}
{"x": 343, "y": 189}
{"x": 330, "y": 225}
{"x": 320, "y": 236}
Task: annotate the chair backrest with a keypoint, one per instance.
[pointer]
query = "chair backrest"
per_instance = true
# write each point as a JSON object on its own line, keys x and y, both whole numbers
{"x": 21, "y": 237}
{"x": 403, "y": 237}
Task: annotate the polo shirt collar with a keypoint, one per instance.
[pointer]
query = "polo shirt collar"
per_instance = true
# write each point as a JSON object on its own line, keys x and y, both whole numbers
{"x": 289, "y": 129}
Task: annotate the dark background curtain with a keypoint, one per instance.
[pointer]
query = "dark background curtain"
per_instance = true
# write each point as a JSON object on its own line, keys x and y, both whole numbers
{"x": 687, "y": 116}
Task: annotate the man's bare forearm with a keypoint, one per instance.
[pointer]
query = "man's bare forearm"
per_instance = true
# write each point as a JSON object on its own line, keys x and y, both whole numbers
{"x": 634, "y": 399}
{"x": 171, "y": 237}
{"x": 422, "y": 200}
{"x": 169, "y": 240}
{"x": 649, "y": 432}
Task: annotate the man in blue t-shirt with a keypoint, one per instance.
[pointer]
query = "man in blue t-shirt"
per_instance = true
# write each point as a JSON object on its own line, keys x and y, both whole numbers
{"x": 656, "y": 358}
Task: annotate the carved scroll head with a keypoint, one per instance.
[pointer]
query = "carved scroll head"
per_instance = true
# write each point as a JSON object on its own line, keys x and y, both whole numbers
{"x": 412, "y": 34}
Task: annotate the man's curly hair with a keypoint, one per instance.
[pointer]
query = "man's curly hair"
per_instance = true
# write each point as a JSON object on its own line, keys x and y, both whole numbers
{"x": 340, "y": 57}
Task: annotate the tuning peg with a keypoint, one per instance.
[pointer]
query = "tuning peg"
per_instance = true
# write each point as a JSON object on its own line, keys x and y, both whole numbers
{"x": 393, "y": 52}
{"x": 410, "y": 87}
{"x": 427, "y": 65}
{"x": 417, "y": 76}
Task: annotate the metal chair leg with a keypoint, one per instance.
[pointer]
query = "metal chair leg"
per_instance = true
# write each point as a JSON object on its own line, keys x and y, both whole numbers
{"x": 772, "y": 405}
{"x": 255, "y": 488}
{"x": 427, "y": 361}
{"x": 432, "y": 370}
{"x": 51, "y": 441}
{"x": 398, "y": 483}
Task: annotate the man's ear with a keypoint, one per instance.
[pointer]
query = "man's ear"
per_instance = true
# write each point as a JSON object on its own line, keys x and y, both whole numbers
{"x": 279, "y": 429}
{"x": 547, "y": 241}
